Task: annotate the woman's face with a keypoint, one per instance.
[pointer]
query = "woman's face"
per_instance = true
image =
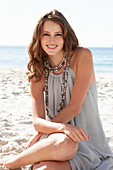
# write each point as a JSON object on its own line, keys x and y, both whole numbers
{"x": 52, "y": 38}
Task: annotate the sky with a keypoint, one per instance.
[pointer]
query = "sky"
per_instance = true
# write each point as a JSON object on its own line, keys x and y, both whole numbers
{"x": 92, "y": 20}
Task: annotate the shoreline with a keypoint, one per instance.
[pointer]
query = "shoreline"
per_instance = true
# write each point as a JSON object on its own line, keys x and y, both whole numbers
{"x": 16, "y": 113}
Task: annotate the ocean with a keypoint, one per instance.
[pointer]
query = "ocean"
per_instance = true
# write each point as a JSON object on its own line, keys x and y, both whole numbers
{"x": 17, "y": 57}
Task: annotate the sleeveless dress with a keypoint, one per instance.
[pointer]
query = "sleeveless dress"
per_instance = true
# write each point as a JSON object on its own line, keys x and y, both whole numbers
{"x": 94, "y": 153}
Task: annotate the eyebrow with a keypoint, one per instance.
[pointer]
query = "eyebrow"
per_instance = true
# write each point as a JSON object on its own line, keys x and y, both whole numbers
{"x": 55, "y": 32}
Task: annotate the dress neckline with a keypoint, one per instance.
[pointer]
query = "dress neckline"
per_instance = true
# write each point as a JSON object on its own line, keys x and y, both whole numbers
{"x": 73, "y": 75}
{"x": 60, "y": 75}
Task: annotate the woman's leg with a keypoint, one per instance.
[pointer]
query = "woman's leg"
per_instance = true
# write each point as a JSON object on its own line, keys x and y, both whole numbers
{"x": 52, "y": 165}
{"x": 56, "y": 146}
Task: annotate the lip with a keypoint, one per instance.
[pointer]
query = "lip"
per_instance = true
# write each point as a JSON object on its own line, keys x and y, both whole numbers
{"x": 52, "y": 47}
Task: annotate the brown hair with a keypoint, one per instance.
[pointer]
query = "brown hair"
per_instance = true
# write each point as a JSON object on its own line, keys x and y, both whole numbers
{"x": 37, "y": 55}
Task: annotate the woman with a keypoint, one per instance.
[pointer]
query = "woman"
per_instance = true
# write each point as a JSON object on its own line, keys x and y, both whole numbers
{"x": 64, "y": 102}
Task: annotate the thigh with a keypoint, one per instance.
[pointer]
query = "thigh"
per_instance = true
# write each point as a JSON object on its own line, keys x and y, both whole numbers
{"x": 52, "y": 165}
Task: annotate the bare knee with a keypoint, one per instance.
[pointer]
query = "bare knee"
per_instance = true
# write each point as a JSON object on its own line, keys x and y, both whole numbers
{"x": 64, "y": 148}
{"x": 68, "y": 149}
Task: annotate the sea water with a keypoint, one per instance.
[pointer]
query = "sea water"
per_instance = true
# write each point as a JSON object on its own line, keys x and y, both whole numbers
{"x": 17, "y": 57}
{"x": 13, "y": 56}
{"x": 103, "y": 60}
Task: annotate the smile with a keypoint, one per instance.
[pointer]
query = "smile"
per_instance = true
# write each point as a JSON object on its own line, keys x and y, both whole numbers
{"x": 52, "y": 46}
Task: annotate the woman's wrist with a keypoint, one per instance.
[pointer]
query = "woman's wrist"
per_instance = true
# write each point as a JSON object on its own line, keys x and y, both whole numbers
{"x": 61, "y": 127}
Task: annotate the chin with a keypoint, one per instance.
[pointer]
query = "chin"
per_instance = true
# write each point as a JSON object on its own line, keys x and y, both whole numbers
{"x": 51, "y": 53}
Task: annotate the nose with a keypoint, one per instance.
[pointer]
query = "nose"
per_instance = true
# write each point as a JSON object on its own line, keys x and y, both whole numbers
{"x": 51, "y": 39}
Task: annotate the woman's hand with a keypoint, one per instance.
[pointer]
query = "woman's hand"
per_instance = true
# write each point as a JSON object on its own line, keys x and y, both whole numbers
{"x": 77, "y": 134}
{"x": 33, "y": 140}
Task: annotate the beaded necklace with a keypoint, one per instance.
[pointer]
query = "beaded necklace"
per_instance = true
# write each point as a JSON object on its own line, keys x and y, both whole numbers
{"x": 53, "y": 69}
{"x": 63, "y": 86}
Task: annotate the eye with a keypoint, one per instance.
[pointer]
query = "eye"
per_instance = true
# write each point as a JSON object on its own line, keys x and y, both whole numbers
{"x": 59, "y": 35}
{"x": 45, "y": 34}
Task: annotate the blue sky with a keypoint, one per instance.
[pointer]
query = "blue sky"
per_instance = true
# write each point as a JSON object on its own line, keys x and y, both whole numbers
{"x": 92, "y": 20}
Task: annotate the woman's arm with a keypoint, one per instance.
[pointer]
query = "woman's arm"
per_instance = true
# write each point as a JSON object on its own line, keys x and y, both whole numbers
{"x": 82, "y": 65}
{"x": 38, "y": 109}
{"x": 35, "y": 138}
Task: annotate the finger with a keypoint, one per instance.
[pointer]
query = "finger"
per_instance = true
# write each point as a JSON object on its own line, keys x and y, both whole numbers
{"x": 28, "y": 145}
{"x": 71, "y": 137}
{"x": 75, "y": 136}
{"x": 78, "y": 135}
{"x": 89, "y": 137}
{"x": 85, "y": 135}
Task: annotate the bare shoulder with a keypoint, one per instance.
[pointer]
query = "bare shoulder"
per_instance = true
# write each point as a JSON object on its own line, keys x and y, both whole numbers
{"x": 81, "y": 56}
{"x": 80, "y": 53}
{"x": 37, "y": 81}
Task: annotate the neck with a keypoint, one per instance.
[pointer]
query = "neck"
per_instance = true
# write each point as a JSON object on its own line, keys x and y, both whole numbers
{"x": 55, "y": 60}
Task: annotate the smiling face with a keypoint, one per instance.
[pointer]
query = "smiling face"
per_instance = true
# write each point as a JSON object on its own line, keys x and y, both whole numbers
{"x": 52, "y": 38}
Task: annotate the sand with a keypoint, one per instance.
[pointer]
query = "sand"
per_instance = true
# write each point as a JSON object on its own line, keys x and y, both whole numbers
{"x": 16, "y": 113}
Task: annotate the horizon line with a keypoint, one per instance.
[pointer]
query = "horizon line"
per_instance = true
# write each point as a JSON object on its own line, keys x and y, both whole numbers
{"x": 81, "y": 46}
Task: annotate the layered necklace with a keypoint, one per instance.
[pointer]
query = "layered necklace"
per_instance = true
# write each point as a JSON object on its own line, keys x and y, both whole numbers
{"x": 48, "y": 69}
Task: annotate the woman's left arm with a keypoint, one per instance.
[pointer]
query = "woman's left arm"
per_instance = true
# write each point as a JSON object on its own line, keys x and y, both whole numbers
{"x": 82, "y": 64}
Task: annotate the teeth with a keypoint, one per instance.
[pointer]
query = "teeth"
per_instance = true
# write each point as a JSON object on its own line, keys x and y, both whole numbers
{"x": 51, "y": 46}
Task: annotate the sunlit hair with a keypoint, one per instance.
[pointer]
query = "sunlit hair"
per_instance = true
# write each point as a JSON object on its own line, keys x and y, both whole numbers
{"x": 37, "y": 55}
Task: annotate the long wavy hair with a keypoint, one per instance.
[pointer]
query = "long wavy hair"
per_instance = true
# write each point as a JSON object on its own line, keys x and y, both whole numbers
{"x": 37, "y": 55}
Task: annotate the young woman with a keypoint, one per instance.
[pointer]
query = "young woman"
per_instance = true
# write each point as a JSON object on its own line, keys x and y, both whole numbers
{"x": 64, "y": 102}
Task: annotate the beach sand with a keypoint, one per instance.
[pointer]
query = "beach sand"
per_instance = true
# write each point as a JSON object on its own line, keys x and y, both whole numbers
{"x": 16, "y": 114}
